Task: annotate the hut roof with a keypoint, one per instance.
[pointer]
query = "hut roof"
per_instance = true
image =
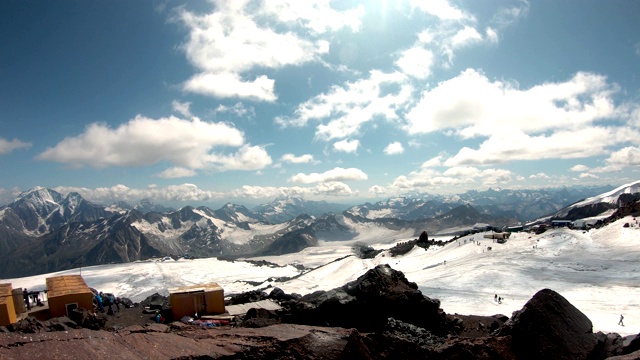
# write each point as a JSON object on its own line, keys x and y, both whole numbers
{"x": 195, "y": 288}
{"x": 65, "y": 285}
{"x": 5, "y": 292}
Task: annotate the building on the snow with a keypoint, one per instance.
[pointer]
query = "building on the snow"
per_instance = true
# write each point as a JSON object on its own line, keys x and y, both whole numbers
{"x": 66, "y": 293}
{"x": 498, "y": 235}
{"x": 207, "y": 299}
{"x": 7, "y": 309}
{"x": 561, "y": 223}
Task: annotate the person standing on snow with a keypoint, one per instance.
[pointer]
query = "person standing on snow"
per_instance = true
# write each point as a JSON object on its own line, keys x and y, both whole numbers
{"x": 620, "y": 322}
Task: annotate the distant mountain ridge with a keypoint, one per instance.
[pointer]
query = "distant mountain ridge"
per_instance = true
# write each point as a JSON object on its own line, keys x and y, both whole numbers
{"x": 44, "y": 231}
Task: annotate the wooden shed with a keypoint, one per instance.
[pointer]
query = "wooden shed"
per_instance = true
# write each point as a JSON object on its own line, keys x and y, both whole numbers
{"x": 7, "y": 309}
{"x": 66, "y": 293}
{"x": 202, "y": 299}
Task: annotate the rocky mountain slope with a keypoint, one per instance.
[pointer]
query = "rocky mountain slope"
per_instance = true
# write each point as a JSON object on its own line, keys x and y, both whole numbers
{"x": 44, "y": 231}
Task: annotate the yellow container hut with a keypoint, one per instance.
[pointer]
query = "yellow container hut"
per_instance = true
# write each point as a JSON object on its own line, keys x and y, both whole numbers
{"x": 66, "y": 293}
{"x": 205, "y": 299}
{"x": 7, "y": 309}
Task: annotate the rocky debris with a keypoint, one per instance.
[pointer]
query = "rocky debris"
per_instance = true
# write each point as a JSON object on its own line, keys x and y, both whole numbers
{"x": 367, "y": 303}
{"x": 380, "y": 315}
{"x": 88, "y": 320}
{"x": 549, "y": 327}
{"x": 156, "y": 302}
{"x": 277, "y": 341}
{"x": 279, "y": 295}
{"x": 246, "y": 297}
{"x": 257, "y": 317}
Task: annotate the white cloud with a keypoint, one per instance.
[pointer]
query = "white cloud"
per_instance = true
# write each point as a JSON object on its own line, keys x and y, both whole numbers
{"x": 292, "y": 159}
{"x": 433, "y": 162}
{"x": 552, "y": 120}
{"x": 182, "y": 193}
{"x": 473, "y": 105}
{"x": 508, "y": 15}
{"x": 346, "y": 108}
{"x": 565, "y": 144}
{"x": 539, "y": 175}
{"x": 228, "y": 85}
{"x": 143, "y": 141}
{"x": 618, "y": 160}
{"x": 579, "y": 168}
{"x": 441, "y": 9}
{"x": 8, "y": 146}
{"x": 332, "y": 188}
{"x": 348, "y": 146}
{"x": 451, "y": 180}
{"x": 394, "y": 148}
{"x": 336, "y": 174}
{"x": 240, "y": 37}
{"x": 416, "y": 61}
{"x": 465, "y": 36}
{"x": 588, "y": 176}
{"x": 247, "y": 158}
{"x": 491, "y": 35}
{"x": 238, "y": 109}
{"x": 176, "y": 172}
{"x": 317, "y": 16}
{"x": 181, "y": 108}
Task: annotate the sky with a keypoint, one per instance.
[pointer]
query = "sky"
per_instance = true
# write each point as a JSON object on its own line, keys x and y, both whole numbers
{"x": 208, "y": 102}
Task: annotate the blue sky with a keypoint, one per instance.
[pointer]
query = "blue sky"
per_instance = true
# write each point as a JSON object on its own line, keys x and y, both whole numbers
{"x": 244, "y": 101}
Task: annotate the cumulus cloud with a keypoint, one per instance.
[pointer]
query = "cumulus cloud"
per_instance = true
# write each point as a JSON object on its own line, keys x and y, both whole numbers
{"x": 451, "y": 180}
{"x": 176, "y": 172}
{"x": 181, "y": 108}
{"x": 581, "y": 143}
{"x": 552, "y": 120}
{"x": 539, "y": 175}
{"x": 292, "y": 159}
{"x": 143, "y": 141}
{"x": 173, "y": 193}
{"x": 345, "y": 109}
{"x": 441, "y": 9}
{"x": 579, "y": 168}
{"x": 237, "y": 38}
{"x": 8, "y": 146}
{"x": 394, "y": 148}
{"x": 348, "y": 146}
{"x": 238, "y": 109}
{"x": 416, "y": 61}
{"x": 333, "y": 188}
{"x": 336, "y": 174}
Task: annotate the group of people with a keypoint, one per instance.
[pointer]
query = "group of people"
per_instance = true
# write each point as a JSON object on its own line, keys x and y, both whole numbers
{"x": 108, "y": 300}
{"x": 497, "y": 299}
{"x": 31, "y": 297}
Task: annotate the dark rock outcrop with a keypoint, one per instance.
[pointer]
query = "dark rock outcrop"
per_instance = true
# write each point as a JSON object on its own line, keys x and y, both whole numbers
{"x": 549, "y": 327}
{"x": 367, "y": 303}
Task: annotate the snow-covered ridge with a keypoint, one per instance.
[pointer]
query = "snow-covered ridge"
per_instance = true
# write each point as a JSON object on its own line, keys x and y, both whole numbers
{"x": 612, "y": 196}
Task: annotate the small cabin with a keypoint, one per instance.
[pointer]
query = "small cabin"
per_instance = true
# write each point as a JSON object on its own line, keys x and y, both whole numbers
{"x": 205, "y": 299}
{"x": 561, "y": 223}
{"x": 499, "y": 236}
{"x": 7, "y": 308}
{"x": 66, "y": 293}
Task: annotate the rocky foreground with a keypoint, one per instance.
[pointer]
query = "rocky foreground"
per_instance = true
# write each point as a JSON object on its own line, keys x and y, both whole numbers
{"x": 380, "y": 315}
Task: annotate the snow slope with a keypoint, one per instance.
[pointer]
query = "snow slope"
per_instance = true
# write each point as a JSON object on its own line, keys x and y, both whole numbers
{"x": 597, "y": 271}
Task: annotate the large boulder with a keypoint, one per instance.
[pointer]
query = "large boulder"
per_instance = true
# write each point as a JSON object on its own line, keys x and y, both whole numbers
{"x": 549, "y": 327}
{"x": 367, "y": 303}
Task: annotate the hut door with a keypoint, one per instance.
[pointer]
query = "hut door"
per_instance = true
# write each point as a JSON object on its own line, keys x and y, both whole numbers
{"x": 70, "y": 308}
{"x": 199, "y": 303}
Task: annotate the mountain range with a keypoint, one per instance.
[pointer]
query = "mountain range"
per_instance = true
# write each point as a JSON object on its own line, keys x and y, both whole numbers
{"x": 45, "y": 231}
